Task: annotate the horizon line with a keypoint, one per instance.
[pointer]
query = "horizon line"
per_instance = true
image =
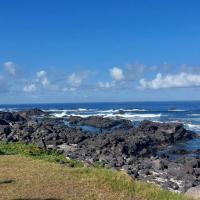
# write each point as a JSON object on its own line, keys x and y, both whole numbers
{"x": 94, "y": 102}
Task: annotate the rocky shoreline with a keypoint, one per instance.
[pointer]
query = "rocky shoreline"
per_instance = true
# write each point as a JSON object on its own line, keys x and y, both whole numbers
{"x": 115, "y": 143}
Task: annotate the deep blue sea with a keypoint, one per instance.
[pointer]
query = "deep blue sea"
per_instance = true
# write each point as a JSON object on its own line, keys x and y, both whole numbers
{"x": 186, "y": 112}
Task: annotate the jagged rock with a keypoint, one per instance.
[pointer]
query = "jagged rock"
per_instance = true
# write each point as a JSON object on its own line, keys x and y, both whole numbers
{"x": 11, "y": 117}
{"x": 32, "y": 112}
{"x": 3, "y": 122}
{"x": 100, "y": 122}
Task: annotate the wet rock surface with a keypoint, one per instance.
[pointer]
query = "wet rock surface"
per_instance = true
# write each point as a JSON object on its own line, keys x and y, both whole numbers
{"x": 118, "y": 145}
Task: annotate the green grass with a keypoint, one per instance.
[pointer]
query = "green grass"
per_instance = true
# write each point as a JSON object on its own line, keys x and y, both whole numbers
{"x": 36, "y": 153}
{"x": 122, "y": 182}
{"x": 30, "y": 173}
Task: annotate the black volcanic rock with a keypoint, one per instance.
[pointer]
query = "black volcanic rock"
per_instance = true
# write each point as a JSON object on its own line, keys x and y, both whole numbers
{"x": 165, "y": 132}
{"x": 99, "y": 122}
{"x": 3, "y": 122}
{"x": 140, "y": 142}
{"x": 11, "y": 117}
{"x": 31, "y": 112}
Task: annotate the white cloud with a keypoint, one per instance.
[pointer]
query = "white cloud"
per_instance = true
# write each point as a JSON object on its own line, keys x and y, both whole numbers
{"x": 117, "y": 73}
{"x": 181, "y": 80}
{"x": 106, "y": 85}
{"x": 10, "y": 68}
{"x": 42, "y": 76}
{"x": 75, "y": 80}
{"x": 29, "y": 88}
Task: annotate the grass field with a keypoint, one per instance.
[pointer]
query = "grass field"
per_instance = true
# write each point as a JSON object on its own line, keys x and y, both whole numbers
{"x": 23, "y": 177}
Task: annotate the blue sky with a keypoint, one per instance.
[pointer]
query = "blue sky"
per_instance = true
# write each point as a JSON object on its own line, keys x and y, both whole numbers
{"x": 92, "y": 50}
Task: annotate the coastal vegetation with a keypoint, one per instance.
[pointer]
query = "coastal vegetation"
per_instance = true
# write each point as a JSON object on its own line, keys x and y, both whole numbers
{"x": 30, "y": 150}
{"x": 27, "y": 172}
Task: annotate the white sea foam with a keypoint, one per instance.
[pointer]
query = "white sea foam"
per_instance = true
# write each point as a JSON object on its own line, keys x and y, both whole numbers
{"x": 133, "y": 110}
{"x": 62, "y": 114}
{"x": 68, "y": 110}
{"x": 10, "y": 109}
{"x": 82, "y": 109}
{"x": 134, "y": 117}
{"x": 81, "y": 115}
{"x": 175, "y": 121}
{"x": 193, "y": 127}
{"x": 123, "y": 110}
{"x": 194, "y": 115}
{"x": 176, "y": 110}
{"x": 148, "y": 115}
{"x": 54, "y": 110}
{"x": 107, "y": 111}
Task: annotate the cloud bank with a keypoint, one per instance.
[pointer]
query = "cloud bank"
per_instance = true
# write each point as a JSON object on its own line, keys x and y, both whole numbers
{"x": 182, "y": 80}
{"x": 114, "y": 82}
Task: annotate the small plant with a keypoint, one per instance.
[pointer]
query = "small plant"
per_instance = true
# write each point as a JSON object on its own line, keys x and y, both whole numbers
{"x": 33, "y": 151}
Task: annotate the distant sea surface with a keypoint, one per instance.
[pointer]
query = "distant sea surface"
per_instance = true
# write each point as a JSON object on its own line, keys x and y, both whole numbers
{"x": 186, "y": 112}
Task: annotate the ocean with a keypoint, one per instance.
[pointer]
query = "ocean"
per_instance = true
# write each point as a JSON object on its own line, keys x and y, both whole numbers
{"x": 186, "y": 112}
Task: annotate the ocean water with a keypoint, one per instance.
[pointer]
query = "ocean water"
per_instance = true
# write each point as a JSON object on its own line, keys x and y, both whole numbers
{"x": 187, "y": 112}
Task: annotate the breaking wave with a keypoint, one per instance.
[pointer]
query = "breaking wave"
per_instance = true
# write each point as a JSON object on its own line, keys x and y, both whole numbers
{"x": 192, "y": 127}
{"x": 176, "y": 110}
{"x": 133, "y": 117}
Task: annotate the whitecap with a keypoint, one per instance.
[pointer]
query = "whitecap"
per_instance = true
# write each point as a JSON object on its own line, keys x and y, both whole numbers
{"x": 146, "y": 115}
{"x": 54, "y": 110}
{"x": 123, "y": 110}
{"x": 176, "y": 110}
{"x": 68, "y": 110}
{"x": 193, "y": 127}
{"x": 59, "y": 115}
{"x": 134, "y": 117}
{"x": 80, "y": 115}
{"x": 134, "y": 110}
{"x": 107, "y": 111}
{"x": 82, "y": 109}
{"x": 194, "y": 115}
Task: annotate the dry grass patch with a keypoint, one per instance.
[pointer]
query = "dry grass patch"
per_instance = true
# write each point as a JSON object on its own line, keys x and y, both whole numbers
{"x": 24, "y": 178}
{"x": 35, "y": 179}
